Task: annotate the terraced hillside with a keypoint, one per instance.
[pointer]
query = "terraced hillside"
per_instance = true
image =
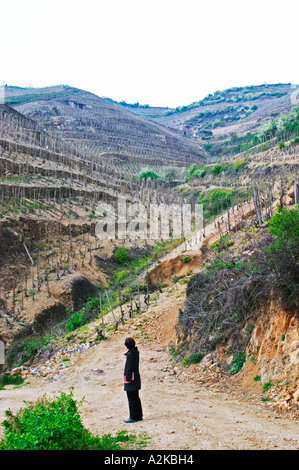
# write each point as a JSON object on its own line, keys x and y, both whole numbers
{"x": 218, "y": 120}
{"x": 103, "y": 127}
{"x": 50, "y": 191}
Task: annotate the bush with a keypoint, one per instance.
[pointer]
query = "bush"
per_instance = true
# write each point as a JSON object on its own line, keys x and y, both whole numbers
{"x": 281, "y": 145}
{"x": 76, "y": 320}
{"x": 283, "y": 255}
{"x": 86, "y": 314}
{"x": 195, "y": 171}
{"x": 149, "y": 174}
{"x": 185, "y": 258}
{"x": 193, "y": 359}
{"x": 238, "y": 361}
{"x": 217, "y": 201}
{"x": 52, "y": 424}
{"x": 239, "y": 164}
{"x": 121, "y": 255}
{"x": 217, "y": 169}
{"x": 284, "y": 227}
{"x": 122, "y": 275}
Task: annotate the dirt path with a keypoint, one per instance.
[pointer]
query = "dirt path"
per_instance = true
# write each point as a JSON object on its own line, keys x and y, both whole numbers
{"x": 179, "y": 414}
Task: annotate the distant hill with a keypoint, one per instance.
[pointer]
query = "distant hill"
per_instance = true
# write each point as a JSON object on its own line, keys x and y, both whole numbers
{"x": 217, "y": 126}
{"x": 217, "y": 120}
{"x": 106, "y": 127}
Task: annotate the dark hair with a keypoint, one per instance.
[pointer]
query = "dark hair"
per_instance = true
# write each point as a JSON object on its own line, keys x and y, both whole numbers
{"x": 130, "y": 343}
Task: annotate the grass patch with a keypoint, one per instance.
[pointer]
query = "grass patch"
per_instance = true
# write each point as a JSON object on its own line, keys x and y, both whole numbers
{"x": 267, "y": 386}
{"x": 55, "y": 424}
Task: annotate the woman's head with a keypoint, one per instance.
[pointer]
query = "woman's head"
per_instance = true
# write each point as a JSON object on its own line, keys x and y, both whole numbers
{"x": 129, "y": 343}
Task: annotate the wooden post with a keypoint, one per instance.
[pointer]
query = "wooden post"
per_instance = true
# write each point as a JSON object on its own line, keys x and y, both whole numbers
{"x": 110, "y": 307}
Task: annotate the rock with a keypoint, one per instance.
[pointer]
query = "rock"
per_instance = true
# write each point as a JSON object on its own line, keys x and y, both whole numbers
{"x": 16, "y": 371}
{"x": 296, "y": 396}
{"x": 98, "y": 371}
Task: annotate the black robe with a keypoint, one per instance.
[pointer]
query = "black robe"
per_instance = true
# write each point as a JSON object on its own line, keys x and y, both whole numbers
{"x": 132, "y": 367}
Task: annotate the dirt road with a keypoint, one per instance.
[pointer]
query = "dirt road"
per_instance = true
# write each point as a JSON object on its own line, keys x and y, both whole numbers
{"x": 178, "y": 413}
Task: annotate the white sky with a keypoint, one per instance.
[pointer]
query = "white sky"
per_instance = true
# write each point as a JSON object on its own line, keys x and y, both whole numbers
{"x": 157, "y": 52}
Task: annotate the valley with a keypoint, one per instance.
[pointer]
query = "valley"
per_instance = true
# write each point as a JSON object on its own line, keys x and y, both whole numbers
{"x": 215, "y": 317}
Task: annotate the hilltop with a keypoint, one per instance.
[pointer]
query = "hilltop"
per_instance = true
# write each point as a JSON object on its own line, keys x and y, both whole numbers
{"x": 221, "y": 118}
{"x": 110, "y": 130}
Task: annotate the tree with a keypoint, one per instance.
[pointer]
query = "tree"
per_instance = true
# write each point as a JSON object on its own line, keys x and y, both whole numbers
{"x": 149, "y": 174}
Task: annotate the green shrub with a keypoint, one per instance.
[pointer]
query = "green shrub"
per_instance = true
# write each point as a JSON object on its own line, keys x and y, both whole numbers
{"x": 284, "y": 227}
{"x": 121, "y": 255}
{"x": 149, "y": 174}
{"x": 238, "y": 361}
{"x": 86, "y": 314}
{"x": 281, "y": 145}
{"x": 216, "y": 201}
{"x": 52, "y": 424}
{"x": 76, "y": 320}
{"x": 283, "y": 255}
{"x": 217, "y": 169}
{"x": 224, "y": 242}
{"x": 195, "y": 171}
{"x": 185, "y": 258}
{"x": 193, "y": 359}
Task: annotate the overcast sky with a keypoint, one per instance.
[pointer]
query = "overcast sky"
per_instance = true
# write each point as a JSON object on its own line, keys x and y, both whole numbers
{"x": 157, "y": 52}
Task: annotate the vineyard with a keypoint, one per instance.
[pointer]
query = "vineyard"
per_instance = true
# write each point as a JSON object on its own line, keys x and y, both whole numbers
{"x": 98, "y": 126}
{"x": 50, "y": 190}
{"x": 53, "y": 178}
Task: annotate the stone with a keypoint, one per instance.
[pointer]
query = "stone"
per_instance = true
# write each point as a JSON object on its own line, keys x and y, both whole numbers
{"x": 16, "y": 371}
{"x": 296, "y": 396}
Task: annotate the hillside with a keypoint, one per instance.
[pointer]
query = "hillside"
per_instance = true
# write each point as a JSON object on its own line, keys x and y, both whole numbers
{"x": 50, "y": 192}
{"x": 215, "y": 411}
{"x": 105, "y": 127}
{"x": 219, "y": 118}
{"x": 68, "y": 298}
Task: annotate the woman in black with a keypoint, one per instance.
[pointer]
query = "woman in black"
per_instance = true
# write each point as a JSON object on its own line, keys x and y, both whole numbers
{"x": 132, "y": 381}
